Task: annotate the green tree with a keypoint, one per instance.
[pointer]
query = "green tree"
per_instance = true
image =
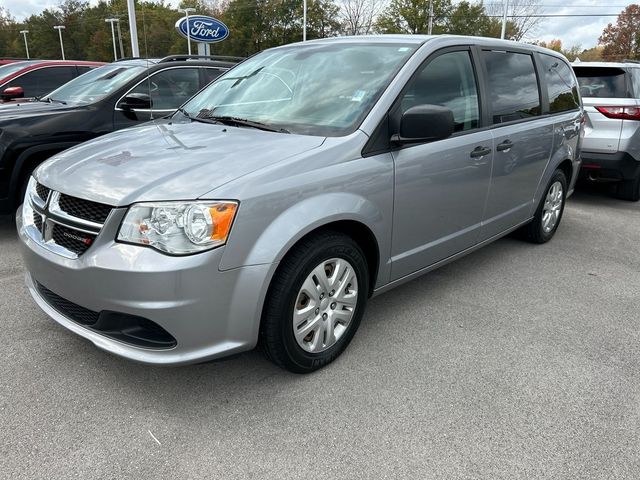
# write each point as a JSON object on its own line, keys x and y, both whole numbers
{"x": 412, "y": 16}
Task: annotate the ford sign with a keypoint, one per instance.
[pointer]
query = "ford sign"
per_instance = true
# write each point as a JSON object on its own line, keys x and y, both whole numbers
{"x": 203, "y": 29}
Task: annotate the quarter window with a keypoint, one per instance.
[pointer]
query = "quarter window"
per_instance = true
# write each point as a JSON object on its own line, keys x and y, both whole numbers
{"x": 170, "y": 88}
{"x": 561, "y": 85}
{"x": 513, "y": 86}
{"x": 448, "y": 81}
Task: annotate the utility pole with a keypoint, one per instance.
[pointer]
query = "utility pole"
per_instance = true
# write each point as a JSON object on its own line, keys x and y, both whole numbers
{"x": 133, "y": 29}
{"x": 304, "y": 20}
{"x": 186, "y": 14}
{"x": 113, "y": 35}
{"x": 430, "y": 16}
{"x": 504, "y": 19}
{"x": 26, "y": 45}
{"x": 120, "y": 39}
{"x": 60, "y": 28}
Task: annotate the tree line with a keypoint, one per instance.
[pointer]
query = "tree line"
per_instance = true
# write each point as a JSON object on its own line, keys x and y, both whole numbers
{"x": 258, "y": 24}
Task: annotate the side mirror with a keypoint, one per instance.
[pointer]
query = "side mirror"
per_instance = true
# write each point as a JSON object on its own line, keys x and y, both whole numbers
{"x": 12, "y": 92}
{"x": 136, "y": 101}
{"x": 424, "y": 123}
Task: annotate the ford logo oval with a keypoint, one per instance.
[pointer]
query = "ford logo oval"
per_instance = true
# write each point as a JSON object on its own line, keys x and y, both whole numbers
{"x": 203, "y": 29}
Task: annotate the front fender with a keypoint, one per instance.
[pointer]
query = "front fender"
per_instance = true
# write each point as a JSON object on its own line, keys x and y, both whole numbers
{"x": 301, "y": 218}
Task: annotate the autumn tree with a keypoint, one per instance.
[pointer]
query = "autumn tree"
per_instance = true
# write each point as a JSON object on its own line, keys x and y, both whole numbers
{"x": 622, "y": 40}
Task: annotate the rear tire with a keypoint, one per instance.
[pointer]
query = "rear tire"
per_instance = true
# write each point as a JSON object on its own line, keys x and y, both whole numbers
{"x": 549, "y": 212}
{"x": 629, "y": 189}
{"x": 315, "y": 302}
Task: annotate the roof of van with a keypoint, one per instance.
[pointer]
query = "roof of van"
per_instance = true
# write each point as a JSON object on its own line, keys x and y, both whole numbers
{"x": 420, "y": 39}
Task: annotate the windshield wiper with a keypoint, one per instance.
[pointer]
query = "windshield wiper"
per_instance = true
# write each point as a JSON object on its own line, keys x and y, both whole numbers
{"x": 57, "y": 101}
{"x": 227, "y": 120}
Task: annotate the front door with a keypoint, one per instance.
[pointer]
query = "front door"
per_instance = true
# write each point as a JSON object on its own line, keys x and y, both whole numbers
{"x": 441, "y": 187}
{"x": 168, "y": 89}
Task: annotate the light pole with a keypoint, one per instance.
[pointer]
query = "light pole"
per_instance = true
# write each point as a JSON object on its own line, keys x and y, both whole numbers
{"x": 304, "y": 20}
{"x": 26, "y": 45}
{"x": 504, "y": 19}
{"x": 120, "y": 40}
{"x": 133, "y": 29}
{"x": 60, "y": 28}
{"x": 186, "y": 14}
{"x": 113, "y": 36}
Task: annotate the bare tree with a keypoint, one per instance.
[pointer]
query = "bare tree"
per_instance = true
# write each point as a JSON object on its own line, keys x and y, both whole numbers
{"x": 357, "y": 16}
{"x": 522, "y": 14}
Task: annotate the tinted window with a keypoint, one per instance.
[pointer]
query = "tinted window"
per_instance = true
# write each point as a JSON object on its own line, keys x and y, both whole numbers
{"x": 42, "y": 81}
{"x": 601, "y": 82}
{"x": 449, "y": 81}
{"x": 513, "y": 86}
{"x": 210, "y": 74}
{"x": 83, "y": 69}
{"x": 561, "y": 85}
{"x": 170, "y": 88}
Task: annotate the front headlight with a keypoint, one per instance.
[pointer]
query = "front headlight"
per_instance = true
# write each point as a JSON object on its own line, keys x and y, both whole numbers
{"x": 178, "y": 228}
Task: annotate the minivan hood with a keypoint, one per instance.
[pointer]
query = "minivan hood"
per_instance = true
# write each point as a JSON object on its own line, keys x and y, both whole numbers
{"x": 166, "y": 161}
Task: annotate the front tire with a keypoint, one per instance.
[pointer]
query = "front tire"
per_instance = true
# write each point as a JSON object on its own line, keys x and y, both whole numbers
{"x": 315, "y": 302}
{"x": 549, "y": 212}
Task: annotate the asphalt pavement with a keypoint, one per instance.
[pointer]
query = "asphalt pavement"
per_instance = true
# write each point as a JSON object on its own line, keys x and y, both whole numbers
{"x": 517, "y": 361}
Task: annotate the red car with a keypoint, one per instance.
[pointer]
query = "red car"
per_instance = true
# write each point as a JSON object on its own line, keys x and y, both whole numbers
{"x": 6, "y": 61}
{"x": 34, "y": 78}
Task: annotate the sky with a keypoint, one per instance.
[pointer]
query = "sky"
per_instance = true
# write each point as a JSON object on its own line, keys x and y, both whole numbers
{"x": 583, "y": 31}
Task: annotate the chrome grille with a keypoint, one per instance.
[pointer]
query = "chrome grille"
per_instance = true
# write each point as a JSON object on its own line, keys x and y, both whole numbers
{"x": 42, "y": 191}
{"x": 37, "y": 221}
{"x": 61, "y": 223}
{"x": 73, "y": 240}
{"x": 85, "y": 209}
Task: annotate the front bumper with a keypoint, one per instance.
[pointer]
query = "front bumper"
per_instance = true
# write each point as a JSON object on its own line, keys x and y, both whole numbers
{"x": 609, "y": 167}
{"x": 210, "y": 313}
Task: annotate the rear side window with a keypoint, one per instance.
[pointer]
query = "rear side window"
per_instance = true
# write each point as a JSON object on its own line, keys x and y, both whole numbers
{"x": 599, "y": 82}
{"x": 513, "y": 86}
{"x": 561, "y": 85}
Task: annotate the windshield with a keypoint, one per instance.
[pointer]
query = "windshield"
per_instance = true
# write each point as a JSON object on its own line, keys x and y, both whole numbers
{"x": 324, "y": 90}
{"x": 96, "y": 84}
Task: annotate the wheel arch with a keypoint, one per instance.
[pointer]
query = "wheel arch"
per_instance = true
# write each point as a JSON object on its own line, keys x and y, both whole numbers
{"x": 349, "y": 214}
{"x": 28, "y": 160}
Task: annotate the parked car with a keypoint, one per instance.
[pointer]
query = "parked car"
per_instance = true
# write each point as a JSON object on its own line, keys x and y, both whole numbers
{"x": 112, "y": 97}
{"x": 34, "y": 78}
{"x": 611, "y": 149}
{"x": 276, "y": 201}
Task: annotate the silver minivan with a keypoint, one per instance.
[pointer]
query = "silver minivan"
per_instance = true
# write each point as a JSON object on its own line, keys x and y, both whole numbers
{"x": 611, "y": 145}
{"x": 307, "y": 179}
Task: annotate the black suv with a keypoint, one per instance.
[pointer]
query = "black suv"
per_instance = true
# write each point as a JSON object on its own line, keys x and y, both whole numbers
{"x": 112, "y": 97}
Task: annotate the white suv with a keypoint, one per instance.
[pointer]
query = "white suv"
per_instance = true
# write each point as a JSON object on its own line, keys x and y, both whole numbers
{"x": 611, "y": 146}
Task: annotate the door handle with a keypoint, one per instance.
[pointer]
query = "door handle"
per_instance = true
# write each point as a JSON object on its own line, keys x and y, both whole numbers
{"x": 506, "y": 145}
{"x": 480, "y": 151}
